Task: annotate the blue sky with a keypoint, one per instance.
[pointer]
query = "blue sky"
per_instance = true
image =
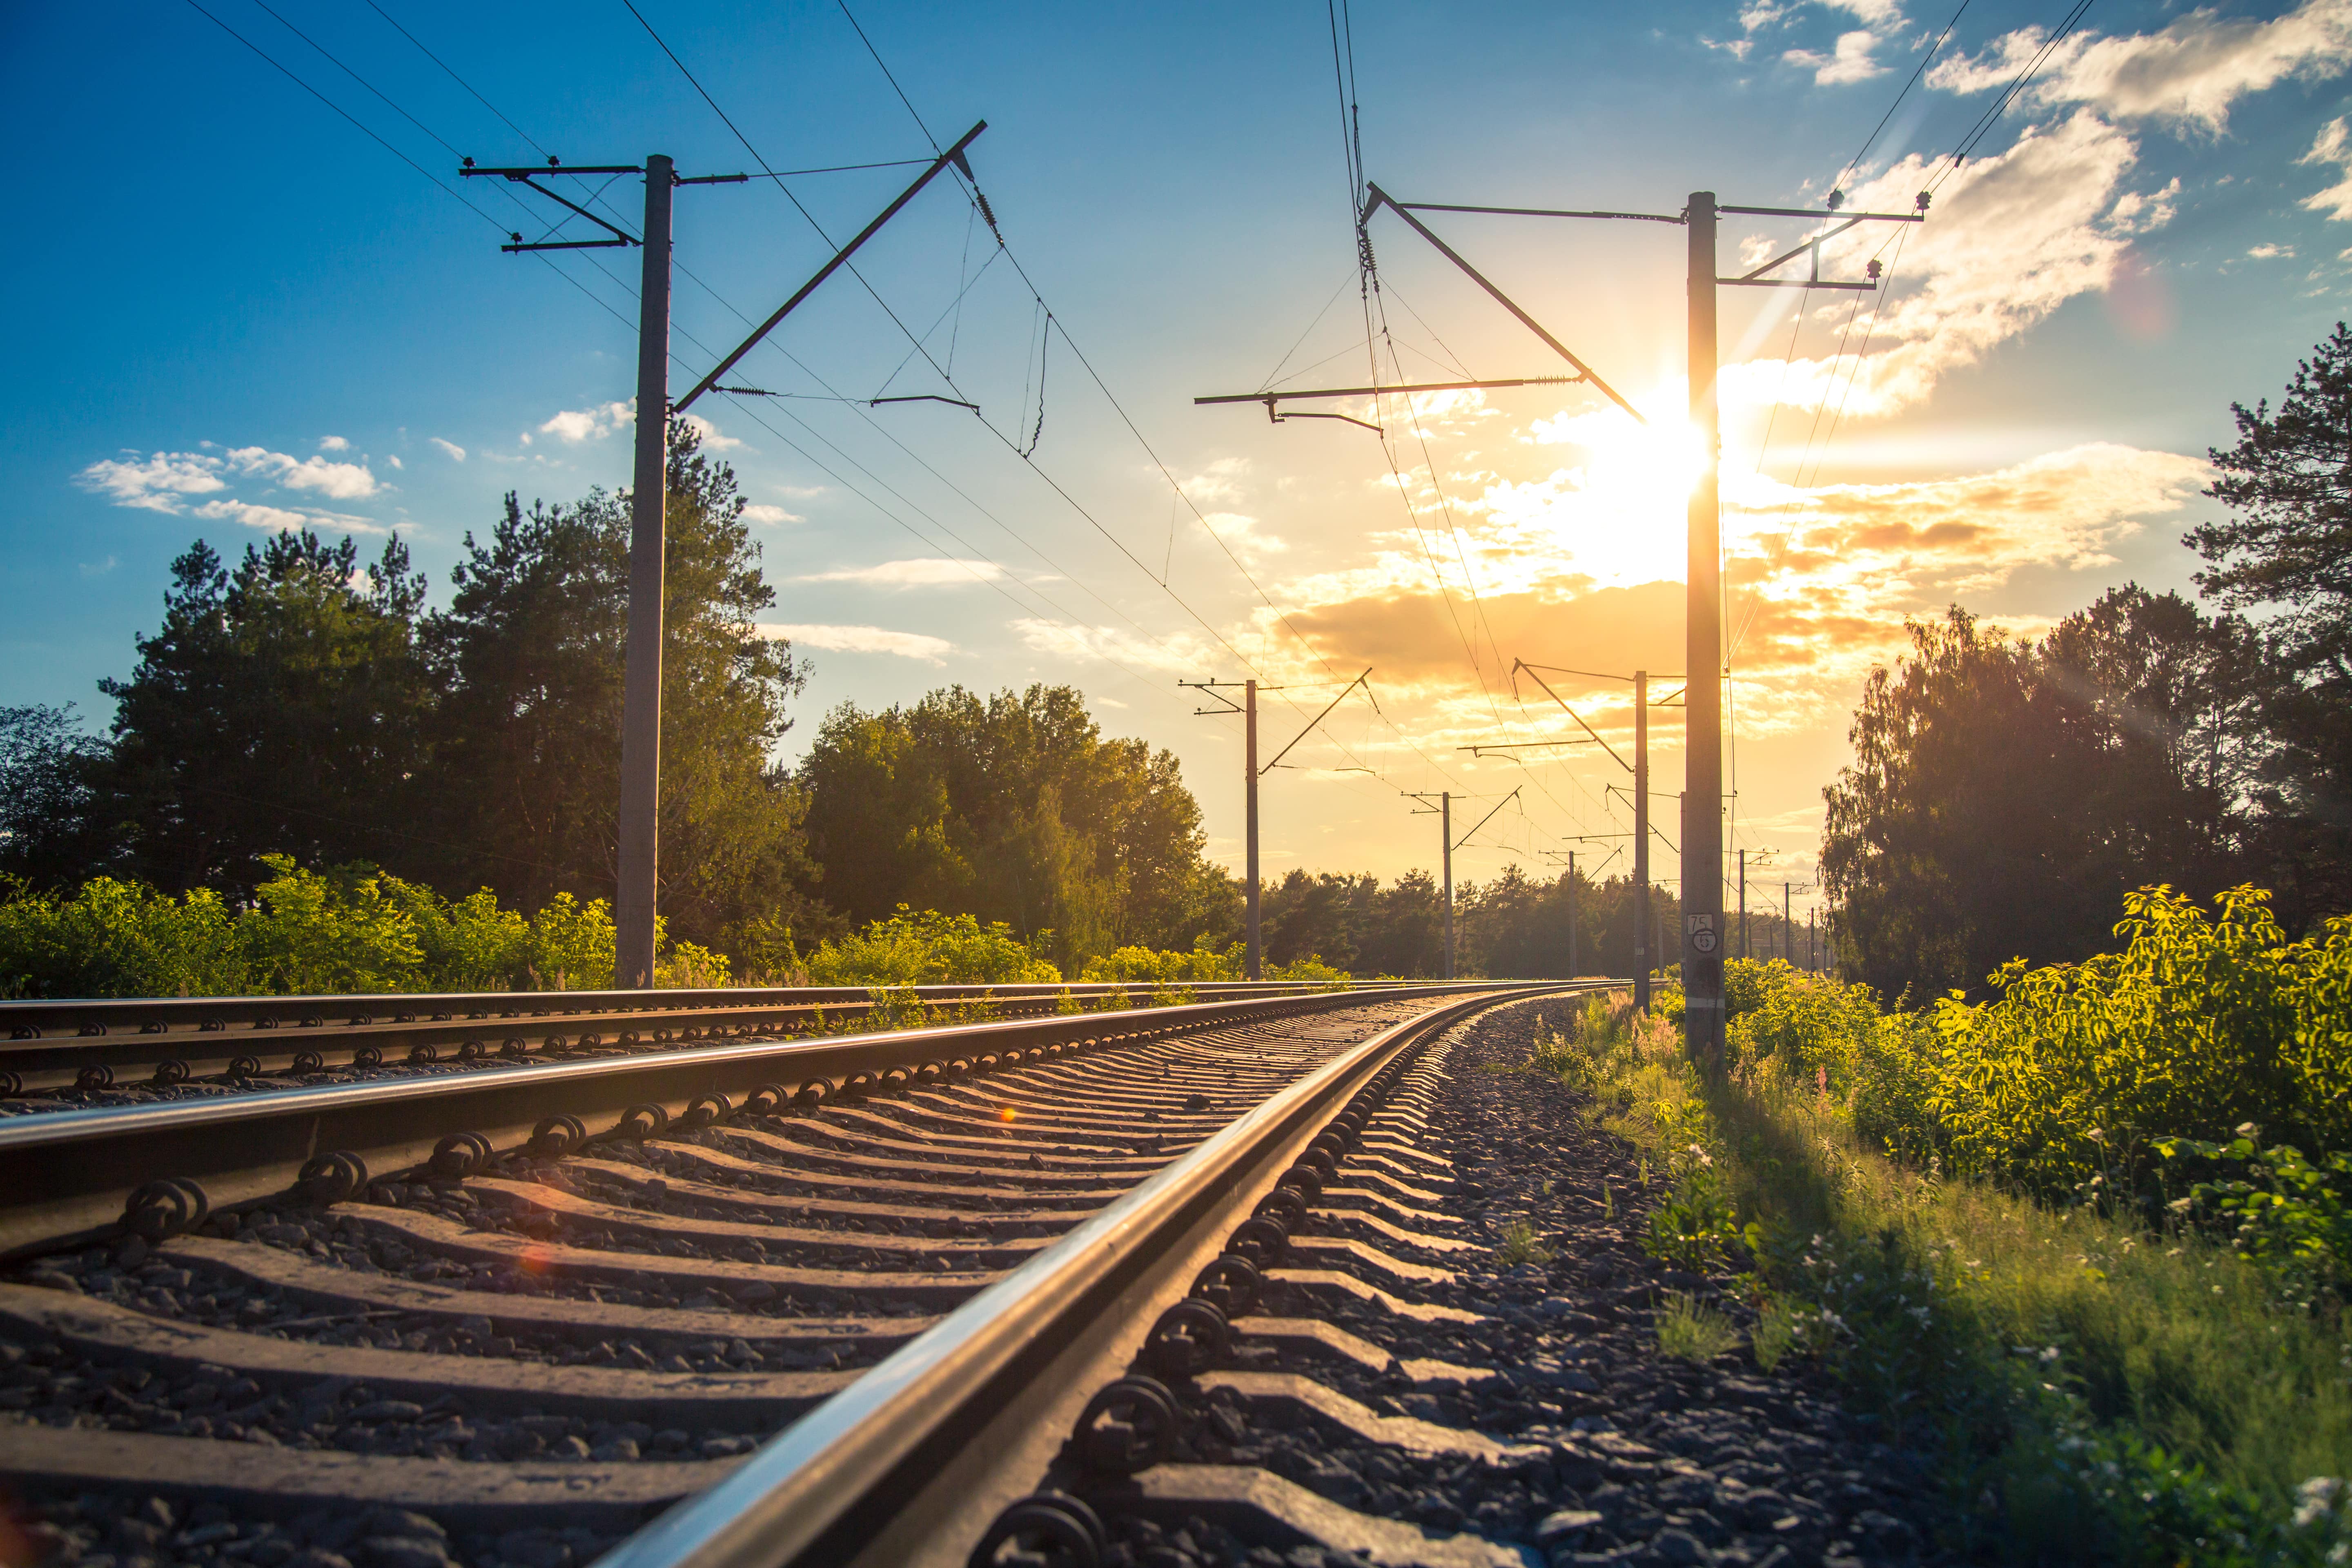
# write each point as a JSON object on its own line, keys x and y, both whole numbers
{"x": 237, "y": 311}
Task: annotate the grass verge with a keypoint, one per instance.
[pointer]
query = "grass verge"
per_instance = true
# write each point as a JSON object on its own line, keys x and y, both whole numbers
{"x": 2098, "y": 1393}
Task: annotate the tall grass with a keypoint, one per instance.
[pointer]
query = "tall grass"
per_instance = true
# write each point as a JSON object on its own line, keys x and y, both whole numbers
{"x": 2101, "y": 1389}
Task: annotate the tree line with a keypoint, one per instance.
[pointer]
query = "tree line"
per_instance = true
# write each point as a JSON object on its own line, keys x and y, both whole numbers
{"x": 304, "y": 706}
{"x": 2006, "y": 792}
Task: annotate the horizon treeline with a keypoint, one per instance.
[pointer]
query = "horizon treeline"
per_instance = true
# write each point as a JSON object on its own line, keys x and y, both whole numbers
{"x": 303, "y": 706}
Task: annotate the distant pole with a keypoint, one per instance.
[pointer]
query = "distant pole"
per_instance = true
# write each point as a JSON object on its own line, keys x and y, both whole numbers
{"x": 1643, "y": 957}
{"x": 1788, "y": 928}
{"x": 1571, "y": 915}
{"x": 1812, "y": 954}
{"x": 1703, "y": 932}
{"x": 1445, "y": 837}
{"x": 640, "y": 843}
{"x": 1249, "y": 819}
{"x": 1744, "y": 951}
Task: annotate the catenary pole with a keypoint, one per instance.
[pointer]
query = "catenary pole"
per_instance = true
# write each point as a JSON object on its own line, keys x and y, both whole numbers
{"x": 1745, "y": 951}
{"x": 1249, "y": 821}
{"x": 1571, "y": 915}
{"x": 1702, "y": 846}
{"x": 1788, "y": 930}
{"x": 1446, "y": 837}
{"x": 1643, "y": 958}
{"x": 640, "y": 847}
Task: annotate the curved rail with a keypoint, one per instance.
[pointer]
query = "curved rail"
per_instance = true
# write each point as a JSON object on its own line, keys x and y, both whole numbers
{"x": 914, "y": 1462}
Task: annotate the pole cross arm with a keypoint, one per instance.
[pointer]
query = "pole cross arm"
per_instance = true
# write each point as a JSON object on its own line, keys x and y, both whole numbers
{"x": 1486, "y": 819}
{"x": 1319, "y": 719}
{"x": 1517, "y": 664}
{"x": 525, "y": 177}
{"x": 1382, "y": 198}
{"x": 841, "y": 256}
{"x": 1844, "y": 221}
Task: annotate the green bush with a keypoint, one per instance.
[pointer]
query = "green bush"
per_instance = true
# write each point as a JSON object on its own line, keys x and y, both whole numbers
{"x": 118, "y": 939}
{"x": 347, "y": 928}
{"x": 2063, "y": 1083}
{"x": 1164, "y": 966}
{"x": 926, "y": 948}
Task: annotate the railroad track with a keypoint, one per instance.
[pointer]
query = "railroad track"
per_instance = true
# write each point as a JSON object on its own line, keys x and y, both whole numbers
{"x": 1286, "y": 1283}
{"x": 835, "y": 1300}
{"x": 83, "y": 1051}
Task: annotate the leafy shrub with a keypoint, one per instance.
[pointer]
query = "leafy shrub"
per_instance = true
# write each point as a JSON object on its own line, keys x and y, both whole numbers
{"x": 1808, "y": 1026}
{"x": 926, "y": 948}
{"x": 118, "y": 939}
{"x": 321, "y": 932}
{"x": 1311, "y": 969}
{"x": 2061, "y": 1083}
{"x": 349, "y": 928}
{"x": 2284, "y": 1214}
{"x": 1695, "y": 1227}
{"x": 1164, "y": 965}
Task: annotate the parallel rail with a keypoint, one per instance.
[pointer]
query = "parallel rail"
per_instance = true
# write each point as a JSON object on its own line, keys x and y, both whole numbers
{"x": 914, "y": 1463}
{"x": 99, "y": 1044}
{"x": 74, "y": 1175}
{"x": 918, "y": 1459}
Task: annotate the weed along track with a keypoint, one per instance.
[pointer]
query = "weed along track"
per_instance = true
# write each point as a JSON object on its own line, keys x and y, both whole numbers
{"x": 1284, "y": 1283}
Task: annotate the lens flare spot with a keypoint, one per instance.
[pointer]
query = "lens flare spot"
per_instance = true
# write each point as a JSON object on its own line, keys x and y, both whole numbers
{"x": 1005, "y": 1114}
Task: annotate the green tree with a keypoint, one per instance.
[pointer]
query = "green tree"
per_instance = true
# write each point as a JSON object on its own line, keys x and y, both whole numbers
{"x": 1015, "y": 808}
{"x": 50, "y": 768}
{"x": 2287, "y": 551}
{"x": 279, "y": 708}
{"x": 530, "y": 658}
{"x": 2005, "y": 795}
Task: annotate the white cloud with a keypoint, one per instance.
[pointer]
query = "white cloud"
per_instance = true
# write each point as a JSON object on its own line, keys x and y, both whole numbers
{"x": 574, "y": 426}
{"x": 333, "y": 444}
{"x": 710, "y": 433}
{"x": 456, "y": 453}
{"x": 1062, "y": 640}
{"x": 393, "y": 458}
{"x": 2193, "y": 71}
{"x": 1221, "y": 480}
{"x": 2332, "y": 146}
{"x": 154, "y": 482}
{"x": 864, "y": 639}
{"x": 252, "y": 515}
{"x": 1242, "y": 533}
{"x": 2268, "y": 252}
{"x": 2011, "y": 238}
{"x": 761, "y": 511}
{"x": 337, "y": 481}
{"x": 920, "y": 571}
{"x": 1852, "y": 62}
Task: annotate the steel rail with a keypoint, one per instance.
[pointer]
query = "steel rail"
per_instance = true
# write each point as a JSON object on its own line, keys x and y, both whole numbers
{"x": 910, "y": 1464}
{"x": 70, "y": 1176}
{"x": 59, "y": 1044}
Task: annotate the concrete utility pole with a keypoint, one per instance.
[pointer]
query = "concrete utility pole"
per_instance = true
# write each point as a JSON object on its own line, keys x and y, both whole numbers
{"x": 640, "y": 830}
{"x": 1251, "y": 772}
{"x": 1745, "y": 951}
{"x": 1643, "y": 957}
{"x": 1702, "y": 846}
{"x": 1571, "y": 915}
{"x": 1788, "y": 928}
{"x": 1257, "y": 969}
{"x": 1702, "y": 955}
{"x": 1446, "y": 837}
